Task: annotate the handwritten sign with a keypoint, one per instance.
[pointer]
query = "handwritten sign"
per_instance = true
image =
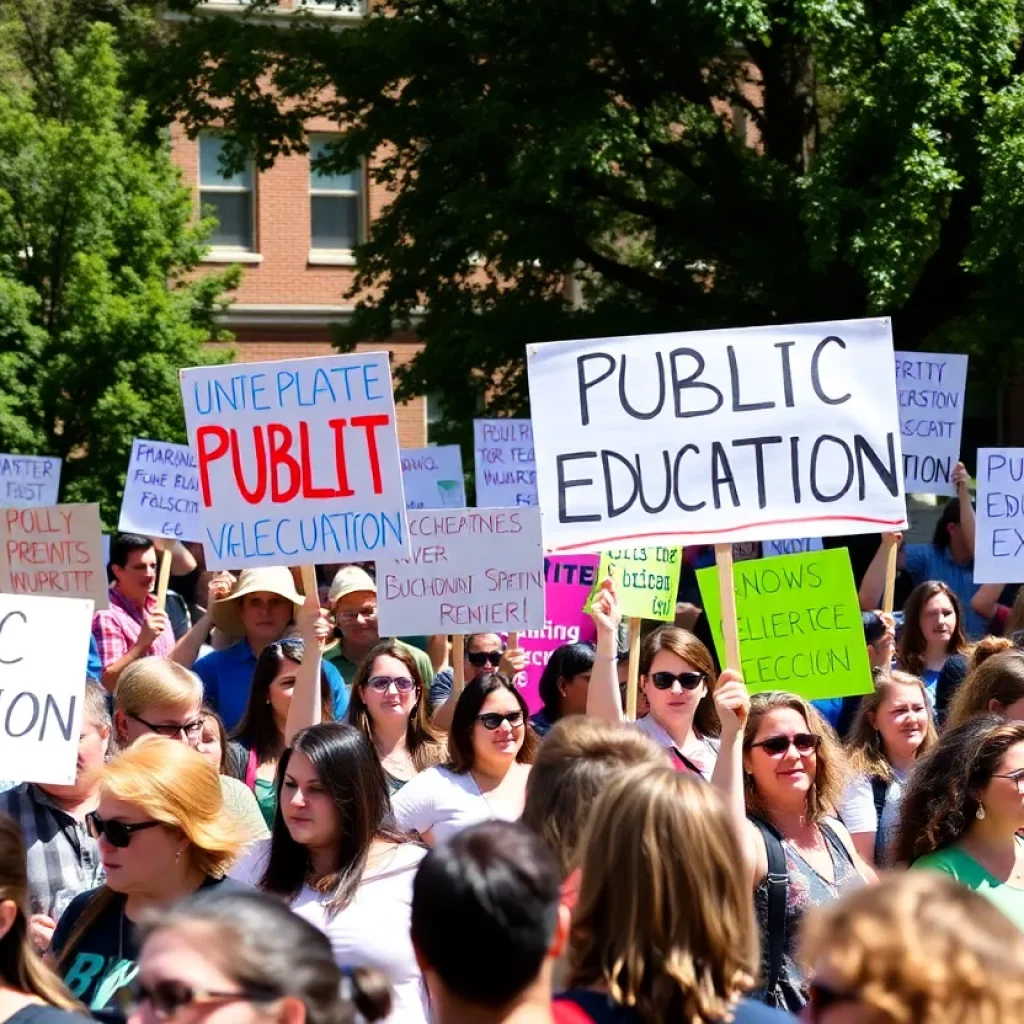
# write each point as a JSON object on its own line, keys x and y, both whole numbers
{"x": 28, "y": 480}
{"x": 298, "y": 461}
{"x": 717, "y": 436}
{"x": 799, "y": 624}
{"x": 646, "y": 579}
{"x": 568, "y": 580}
{"x": 796, "y": 546}
{"x": 471, "y": 571}
{"x": 44, "y": 649}
{"x": 999, "y": 530}
{"x": 432, "y": 477}
{"x": 54, "y": 551}
{"x": 161, "y": 492}
{"x": 932, "y": 389}
{"x": 506, "y": 472}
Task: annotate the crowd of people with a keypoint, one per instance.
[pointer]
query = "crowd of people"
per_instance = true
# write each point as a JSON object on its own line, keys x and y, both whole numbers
{"x": 279, "y": 815}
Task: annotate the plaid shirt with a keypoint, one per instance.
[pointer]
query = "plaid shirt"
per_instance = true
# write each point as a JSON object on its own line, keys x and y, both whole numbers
{"x": 117, "y": 629}
{"x": 61, "y": 853}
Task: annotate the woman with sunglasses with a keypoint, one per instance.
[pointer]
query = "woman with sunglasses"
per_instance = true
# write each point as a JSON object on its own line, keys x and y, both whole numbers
{"x": 490, "y": 749}
{"x": 162, "y": 834}
{"x": 964, "y": 809}
{"x": 388, "y": 707}
{"x": 244, "y": 958}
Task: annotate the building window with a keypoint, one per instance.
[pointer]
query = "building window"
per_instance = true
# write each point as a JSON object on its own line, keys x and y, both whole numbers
{"x": 229, "y": 195}
{"x": 335, "y": 201}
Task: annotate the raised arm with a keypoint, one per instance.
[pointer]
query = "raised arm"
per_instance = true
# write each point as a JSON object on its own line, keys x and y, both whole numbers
{"x": 186, "y": 650}
{"x": 732, "y": 701}
{"x": 603, "y": 699}
{"x": 985, "y": 599}
{"x": 963, "y": 493}
{"x": 306, "y": 704}
{"x": 872, "y": 587}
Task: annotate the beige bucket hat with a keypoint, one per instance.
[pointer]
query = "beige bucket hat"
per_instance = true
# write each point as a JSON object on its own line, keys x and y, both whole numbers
{"x": 227, "y": 613}
{"x": 350, "y": 579}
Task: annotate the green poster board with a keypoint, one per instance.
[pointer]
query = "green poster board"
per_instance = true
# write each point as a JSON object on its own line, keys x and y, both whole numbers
{"x": 799, "y": 624}
{"x": 647, "y": 581}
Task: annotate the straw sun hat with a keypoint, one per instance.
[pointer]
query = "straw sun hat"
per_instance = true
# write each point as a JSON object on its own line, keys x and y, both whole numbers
{"x": 227, "y": 613}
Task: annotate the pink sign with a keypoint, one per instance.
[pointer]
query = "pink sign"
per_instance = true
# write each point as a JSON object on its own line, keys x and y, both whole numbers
{"x": 567, "y": 583}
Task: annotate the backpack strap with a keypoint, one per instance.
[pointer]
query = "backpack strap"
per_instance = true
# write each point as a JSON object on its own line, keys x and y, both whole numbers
{"x": 880, "y": 791}
{"x": 778, "y": 889}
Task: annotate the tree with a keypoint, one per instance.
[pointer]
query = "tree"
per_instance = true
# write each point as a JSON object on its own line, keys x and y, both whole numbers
{"x": 687, "y": 163}
{"x": 97, "y": 239}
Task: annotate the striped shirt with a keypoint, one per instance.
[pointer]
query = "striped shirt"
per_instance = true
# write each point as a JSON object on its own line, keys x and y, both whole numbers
{"x": 117, "y": 629}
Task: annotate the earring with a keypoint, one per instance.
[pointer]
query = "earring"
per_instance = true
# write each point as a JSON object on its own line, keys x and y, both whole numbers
{"x": 980, "y": 813}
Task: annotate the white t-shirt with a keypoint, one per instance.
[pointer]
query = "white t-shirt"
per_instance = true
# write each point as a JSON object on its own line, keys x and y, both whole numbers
{"x": 857, "y": 808}
{"x": 373, "y": 930}
{"x": 653, "y": 729}
{"x": 443, "y": 803}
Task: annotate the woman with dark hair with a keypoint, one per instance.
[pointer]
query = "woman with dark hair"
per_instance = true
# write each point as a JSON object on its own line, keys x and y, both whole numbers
{"x": 29, "y": 992}
{"x": 337, "y": 858}
{"x": 563, "y": 685}
{"x": 964, "y": 808}
{"x": 490, "y": 747}
{"x": 389, "y": 707}
{"x": 880, "y": 638}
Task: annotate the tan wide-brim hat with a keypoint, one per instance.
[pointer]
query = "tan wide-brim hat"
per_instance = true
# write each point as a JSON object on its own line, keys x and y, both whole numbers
{"x": 227, "y": 613}
{"x": 350, "y": 579}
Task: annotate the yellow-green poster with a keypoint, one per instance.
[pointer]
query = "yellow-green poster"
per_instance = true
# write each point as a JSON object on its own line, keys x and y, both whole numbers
{"x": 647, "y": 581}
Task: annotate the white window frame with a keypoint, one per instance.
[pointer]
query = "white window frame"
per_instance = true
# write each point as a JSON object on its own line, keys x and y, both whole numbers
{"x": 230, "y": 253}
{"x": 337, "y": 257}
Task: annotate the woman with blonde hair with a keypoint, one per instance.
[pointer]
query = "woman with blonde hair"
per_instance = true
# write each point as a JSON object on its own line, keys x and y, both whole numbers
{"x": 162, "y": 834}
{"x": 915, "y": 949}
{"x": 995, "y": 686}
{"x": 679, "y": 941}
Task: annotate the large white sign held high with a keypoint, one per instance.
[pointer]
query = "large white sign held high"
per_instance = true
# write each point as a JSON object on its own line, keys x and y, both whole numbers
{"x": 766, "y": 433}
{"x": 161, "y": 492}
{"x": 999, "y": 526}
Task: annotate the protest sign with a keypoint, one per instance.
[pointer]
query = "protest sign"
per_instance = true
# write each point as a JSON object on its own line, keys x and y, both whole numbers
{"x": 931, "y": 388}
{"x": 470, "y": 571}
{"x": 646, "y": 580}
{"x": 105, "y": 545}
{"x": 161, "y": 492}
{"x": 567, "y": 583}
{"x": 784, "y": 432}
{"x": 999, "y": 524}
{"x": 28, "y": 480}
{"x": 799, "y": 624}
{"x": 298, "y": 461}
{"x": 54, "y": 551}
{"x": 770, "y": 548}
{"x": 432, "y": 477}
{"x": 506, "y": 473}
{"x": 44, "y": 650}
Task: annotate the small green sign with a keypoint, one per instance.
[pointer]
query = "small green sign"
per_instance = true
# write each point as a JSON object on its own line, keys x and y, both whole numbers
{"x": 647, "y": 580}
{"x": 799, "y": 624}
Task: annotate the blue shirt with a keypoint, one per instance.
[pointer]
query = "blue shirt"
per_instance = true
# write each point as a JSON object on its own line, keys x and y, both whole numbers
{"x": 94, "y": 667}
{"x": 227, "y": 679}
{"x": 927, "y": 562}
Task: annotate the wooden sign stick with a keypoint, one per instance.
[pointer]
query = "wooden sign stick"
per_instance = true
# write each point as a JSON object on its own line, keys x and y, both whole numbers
{"x": 309, "y": 586}
{"x": 890, "y": 579}
{"x": 632, "y": 681}
{"x": 165, "y": 576}
{"x": 727, "y": 588}
{"x": 458, "y": 664}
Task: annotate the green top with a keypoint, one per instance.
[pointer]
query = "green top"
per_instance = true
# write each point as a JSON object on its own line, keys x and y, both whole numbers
{"x": 967, "y": 871}
{"x": 347, "y": 668}
{"x": 266, "y": 797}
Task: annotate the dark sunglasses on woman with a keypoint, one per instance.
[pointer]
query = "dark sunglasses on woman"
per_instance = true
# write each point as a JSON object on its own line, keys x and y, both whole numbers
{"x": 491, "y": 719}
{"x": 687, "y": 680}
{"x": 381, "y": 684}
{"x": 480, "y": 658}
{"x": 118, "y": 833}
{"x": 804, "y": 742}
{"x": 169, "y": 997}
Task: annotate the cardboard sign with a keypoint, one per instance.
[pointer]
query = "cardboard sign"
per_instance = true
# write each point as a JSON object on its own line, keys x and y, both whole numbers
{"x": 433, "y": 478}
{"x": 932, "y": 389}
{"x": 472, "y": 571}
{"x": 799, "y": 624}
{"x": 53, "y": 552}
{"x": 44, "y": 650}
{"x": 28, "y": 480}
{"x": 506, "y": 472}
{"x": 646, "y": 580}
{"x": 161, "y": 492}
{"x": 717, "y": 436}
{"x": 298, "y": 461}
{"x": 771, "y": 548}
{"x": 568, "y": 580}
{"x": 999, "y": 530}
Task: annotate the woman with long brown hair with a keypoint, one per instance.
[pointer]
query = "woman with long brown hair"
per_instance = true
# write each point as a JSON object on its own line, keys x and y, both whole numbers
{"x": 994, "y": 686}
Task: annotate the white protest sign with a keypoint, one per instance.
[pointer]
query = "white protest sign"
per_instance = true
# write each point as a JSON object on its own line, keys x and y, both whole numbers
{"x": 161, "y": 492}
{"x": 56, "y": 551}
{"x": 298, "y": 461}
{"x": 432, "y": 477}
{"x": 931, "y": 388}
{"x": 796, "y": 546}
{"x": 44, "y": 650}
{"x": 105, "y": 542}
{"x": 999, "y": 522}
{"x": 706, "y": 437}
{"x": 506, "y": 473}
{"x": 471, "y": 571}
{"x": 28, "y": 480}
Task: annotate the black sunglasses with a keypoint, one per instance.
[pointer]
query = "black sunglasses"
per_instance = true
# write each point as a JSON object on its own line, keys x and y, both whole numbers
{"x": 822, "y": 997}
{"x": 480, "y": 658}
{"x": 804, "y": 742}
{"x": 118, "y": 833}
{"x": 170, "y": 997}
{"x": 687, "y": 680}
{"x": 491, "y": 720}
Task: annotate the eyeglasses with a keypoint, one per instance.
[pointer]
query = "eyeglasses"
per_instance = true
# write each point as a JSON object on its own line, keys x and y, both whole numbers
{"x": 480, "y": 658}
{"x": 822, "y": 997}
{"x": 1017, "y": 777}
{"x": 118, "y": 833}
{"x": 369, "y": 613}
{"x": 381, "y": 684}
{"x": 170, "y": 997}
{"x": 687, "y": 680}
{"x": 491, "y": 720}
{"x": 804, "y": 742}
{"x": 170, "y": 730}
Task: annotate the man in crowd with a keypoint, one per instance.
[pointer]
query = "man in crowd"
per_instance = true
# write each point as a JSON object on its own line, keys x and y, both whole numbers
{"x": 488, "y": 925}
{"x": 63, "y": 859}
{"x": 482, "y": 653}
